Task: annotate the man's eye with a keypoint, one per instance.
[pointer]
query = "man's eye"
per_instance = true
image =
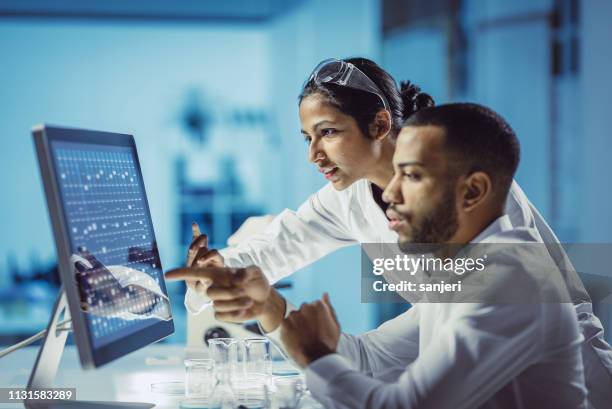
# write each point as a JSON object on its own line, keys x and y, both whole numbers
{"x": 307, "y": 139}
{"x": 412, "y": 176}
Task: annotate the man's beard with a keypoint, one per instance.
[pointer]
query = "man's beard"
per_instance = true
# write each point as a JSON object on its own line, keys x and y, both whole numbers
{"x": 433, "y": 229}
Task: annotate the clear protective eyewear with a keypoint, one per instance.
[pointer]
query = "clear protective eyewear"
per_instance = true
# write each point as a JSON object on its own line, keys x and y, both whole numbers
{"x": 345, "y": 74}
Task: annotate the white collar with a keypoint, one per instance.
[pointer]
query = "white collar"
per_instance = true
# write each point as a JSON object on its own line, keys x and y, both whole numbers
{"x": 501, "y": 224}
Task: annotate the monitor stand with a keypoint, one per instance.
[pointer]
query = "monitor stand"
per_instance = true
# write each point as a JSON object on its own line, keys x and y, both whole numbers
{"x": 48, "y": 360}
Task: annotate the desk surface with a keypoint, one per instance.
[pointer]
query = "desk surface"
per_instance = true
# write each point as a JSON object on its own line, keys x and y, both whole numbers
{"x": 126, "y": 379}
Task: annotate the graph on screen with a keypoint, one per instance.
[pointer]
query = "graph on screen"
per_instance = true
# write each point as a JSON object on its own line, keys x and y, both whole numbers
{"x": 112, "y": 238}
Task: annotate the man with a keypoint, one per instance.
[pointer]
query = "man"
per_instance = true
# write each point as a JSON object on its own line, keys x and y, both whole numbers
{"x": 453, "y": 167}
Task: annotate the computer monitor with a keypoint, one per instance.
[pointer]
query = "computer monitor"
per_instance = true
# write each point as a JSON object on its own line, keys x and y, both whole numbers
{"x": 106, "y": 248}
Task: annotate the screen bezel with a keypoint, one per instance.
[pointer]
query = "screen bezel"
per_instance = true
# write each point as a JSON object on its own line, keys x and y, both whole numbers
{"x": 90, "y": 356}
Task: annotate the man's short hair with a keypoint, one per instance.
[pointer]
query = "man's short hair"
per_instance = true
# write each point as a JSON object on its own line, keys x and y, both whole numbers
{"x": 477, "y": 139}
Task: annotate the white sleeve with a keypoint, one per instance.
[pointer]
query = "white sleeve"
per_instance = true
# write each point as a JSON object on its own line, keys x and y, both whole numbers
{"x": 384, "y": 352}
{"x": 274, "y": 336}
{"x": 292, "y": 241}
{"x": 468, "y": 361}
{"x": 295, "y": 239}
{"x": 195, "y": 303}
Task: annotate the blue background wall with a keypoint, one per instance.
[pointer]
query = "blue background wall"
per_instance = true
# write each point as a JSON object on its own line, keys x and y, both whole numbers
{"x": 144, "y": 75}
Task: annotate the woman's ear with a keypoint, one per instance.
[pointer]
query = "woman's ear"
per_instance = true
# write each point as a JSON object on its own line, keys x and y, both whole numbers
{"x": 381, "y": 125}
{"x": 478, "y": 188}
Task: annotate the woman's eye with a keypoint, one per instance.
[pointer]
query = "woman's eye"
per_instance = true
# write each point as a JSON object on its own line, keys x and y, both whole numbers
{"x": 307, "y": 139}
{"x": 328, "y": 131}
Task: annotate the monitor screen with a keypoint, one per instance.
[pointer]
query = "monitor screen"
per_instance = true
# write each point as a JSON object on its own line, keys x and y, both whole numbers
{"x": 108, "y": 243}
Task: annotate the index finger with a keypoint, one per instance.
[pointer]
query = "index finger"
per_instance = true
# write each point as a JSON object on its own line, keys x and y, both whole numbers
{"x": 218, "y": 276}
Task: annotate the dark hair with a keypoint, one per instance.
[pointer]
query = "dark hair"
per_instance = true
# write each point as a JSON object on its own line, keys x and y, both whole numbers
{"x": 363, "y": 106}
{"x": 478, "y": 139}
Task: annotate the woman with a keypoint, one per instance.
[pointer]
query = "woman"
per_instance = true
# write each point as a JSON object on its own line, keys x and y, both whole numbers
{"x": 349, "y": 210}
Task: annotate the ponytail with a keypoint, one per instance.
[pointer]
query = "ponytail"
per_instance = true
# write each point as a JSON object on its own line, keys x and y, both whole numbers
{"x": 413, "y": 99}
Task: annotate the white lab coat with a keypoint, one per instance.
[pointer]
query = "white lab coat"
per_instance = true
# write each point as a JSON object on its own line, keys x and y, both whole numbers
{"x": 332, "y": 219}
{"x": 464, "y": 355}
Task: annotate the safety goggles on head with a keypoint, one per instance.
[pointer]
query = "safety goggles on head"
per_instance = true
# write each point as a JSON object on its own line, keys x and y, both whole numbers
{"x": 345, "y": 74}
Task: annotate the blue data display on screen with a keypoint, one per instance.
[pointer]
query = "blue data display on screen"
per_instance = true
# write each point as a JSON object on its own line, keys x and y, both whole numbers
{"x": 111, "y": 238}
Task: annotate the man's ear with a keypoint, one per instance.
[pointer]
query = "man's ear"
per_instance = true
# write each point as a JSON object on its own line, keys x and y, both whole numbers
{"x": 381, "y": 125}
{"x": 477, "y": 189}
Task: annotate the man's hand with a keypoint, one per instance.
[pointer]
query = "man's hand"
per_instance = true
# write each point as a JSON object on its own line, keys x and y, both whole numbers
{"x": 311, "y": 332}
{"x": 244, "y": 299}
{"x": 200, "y": 256}
{"x": 238, "y": 294}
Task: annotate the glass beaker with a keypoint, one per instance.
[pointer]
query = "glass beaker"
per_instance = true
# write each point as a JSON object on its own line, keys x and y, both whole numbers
{"x": 257, "y": 358}
{"x": 200, "y": 378}
{"x": 250, "y": 390}
{"x": 224, "y": 351}
{"x": 289, "y": 391}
